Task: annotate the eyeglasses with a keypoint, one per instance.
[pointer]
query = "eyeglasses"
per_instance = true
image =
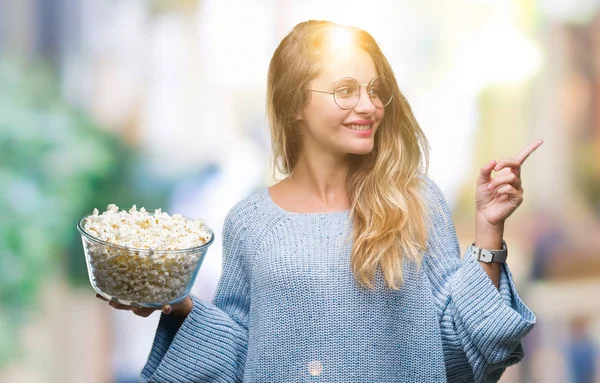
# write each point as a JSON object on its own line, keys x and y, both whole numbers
{"x": 346, "y": 92}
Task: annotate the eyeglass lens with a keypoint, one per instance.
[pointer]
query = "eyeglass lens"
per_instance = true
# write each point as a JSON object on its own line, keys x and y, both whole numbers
{"x": 347, "y": 92}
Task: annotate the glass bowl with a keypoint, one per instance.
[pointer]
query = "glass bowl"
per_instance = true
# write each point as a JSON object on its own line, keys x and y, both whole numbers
{"x": 141, "y": 277}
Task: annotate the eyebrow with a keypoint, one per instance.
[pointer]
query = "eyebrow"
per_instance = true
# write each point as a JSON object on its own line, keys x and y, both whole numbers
{"x": 332, "y": 86}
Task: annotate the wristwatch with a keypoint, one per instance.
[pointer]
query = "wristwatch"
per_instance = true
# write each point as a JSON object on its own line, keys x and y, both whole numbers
{"x": 489, "y": 256}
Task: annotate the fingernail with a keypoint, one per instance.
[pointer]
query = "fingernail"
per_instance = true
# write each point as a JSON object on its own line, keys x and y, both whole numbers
{"x": 496, "y": 168}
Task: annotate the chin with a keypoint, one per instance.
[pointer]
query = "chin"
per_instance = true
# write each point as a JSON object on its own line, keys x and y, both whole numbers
{"x": 362, "y": 150}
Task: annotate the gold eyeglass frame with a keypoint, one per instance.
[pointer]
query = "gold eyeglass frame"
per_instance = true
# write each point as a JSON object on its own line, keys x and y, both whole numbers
{"x": 359, "y": 95}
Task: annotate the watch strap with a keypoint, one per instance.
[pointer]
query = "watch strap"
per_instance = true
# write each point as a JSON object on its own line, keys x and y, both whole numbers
{"x": 489, "y": 256}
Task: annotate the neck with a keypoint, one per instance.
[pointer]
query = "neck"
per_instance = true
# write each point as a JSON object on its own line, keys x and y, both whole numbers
{"x": 322, "y": 177}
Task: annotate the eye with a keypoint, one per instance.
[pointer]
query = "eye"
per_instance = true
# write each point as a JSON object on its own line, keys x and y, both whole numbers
{"x": 373, "y": 91}
{"x": 346, "y": 87}
{"x": 344, "y": 91}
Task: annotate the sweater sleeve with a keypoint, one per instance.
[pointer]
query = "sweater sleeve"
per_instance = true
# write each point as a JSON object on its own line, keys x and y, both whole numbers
{"x": 481, "y": 326}
{"x": 211, "y": 343}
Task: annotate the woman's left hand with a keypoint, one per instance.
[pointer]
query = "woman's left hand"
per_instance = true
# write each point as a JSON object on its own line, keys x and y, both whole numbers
{"x": 497, "y": 198}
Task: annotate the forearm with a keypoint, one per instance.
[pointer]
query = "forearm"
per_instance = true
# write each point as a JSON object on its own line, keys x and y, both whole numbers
{"x": 489, "y": 237}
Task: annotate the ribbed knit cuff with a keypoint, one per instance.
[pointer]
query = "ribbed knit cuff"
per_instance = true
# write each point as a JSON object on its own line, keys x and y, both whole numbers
{"x": 495, "y": 319}
{"x": 206, "y": 347}
{"x": 165, "y": 332}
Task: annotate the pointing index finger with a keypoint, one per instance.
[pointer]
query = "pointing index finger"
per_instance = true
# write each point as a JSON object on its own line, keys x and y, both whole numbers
{"x": 522, "y": 156}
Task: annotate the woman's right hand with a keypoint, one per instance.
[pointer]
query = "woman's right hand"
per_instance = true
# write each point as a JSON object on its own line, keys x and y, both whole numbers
{"x": 179, "y": 310}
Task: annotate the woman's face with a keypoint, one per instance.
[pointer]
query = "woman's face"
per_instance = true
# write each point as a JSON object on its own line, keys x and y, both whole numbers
{"x": 326, "y": 126}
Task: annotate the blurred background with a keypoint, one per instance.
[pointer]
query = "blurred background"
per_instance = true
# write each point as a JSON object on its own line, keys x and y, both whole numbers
{"x": 161, "y": 103}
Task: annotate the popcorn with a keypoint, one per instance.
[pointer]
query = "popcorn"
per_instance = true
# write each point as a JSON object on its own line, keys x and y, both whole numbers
{"x": 145, "y": 270}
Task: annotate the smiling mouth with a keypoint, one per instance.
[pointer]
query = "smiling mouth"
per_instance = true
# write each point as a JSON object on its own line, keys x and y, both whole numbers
{"x": 359, "y": 127}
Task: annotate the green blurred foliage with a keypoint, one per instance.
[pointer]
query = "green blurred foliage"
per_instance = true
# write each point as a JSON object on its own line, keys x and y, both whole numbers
{"x": 56, "y": 165}
{"x": 587, "y": 173}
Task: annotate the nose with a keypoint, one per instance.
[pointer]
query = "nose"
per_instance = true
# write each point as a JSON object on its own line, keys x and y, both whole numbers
{"x": 364, "y": 104}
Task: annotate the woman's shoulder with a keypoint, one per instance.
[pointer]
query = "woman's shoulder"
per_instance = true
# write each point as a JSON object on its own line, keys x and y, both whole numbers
{"x": 434, "y": 200}
{"x": 250, "y": 207}
{"x": 244, "y": 218}
{"x": 438, "y": 215}
{"x": 430, "y": 190}
{"x": 427, "y": 183}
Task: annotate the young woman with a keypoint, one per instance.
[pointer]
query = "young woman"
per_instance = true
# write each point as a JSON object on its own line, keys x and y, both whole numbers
{"x": 349, "y": 269}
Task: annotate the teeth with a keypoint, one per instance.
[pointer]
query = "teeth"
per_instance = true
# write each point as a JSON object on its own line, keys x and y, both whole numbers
{"x": 359, "y": 127}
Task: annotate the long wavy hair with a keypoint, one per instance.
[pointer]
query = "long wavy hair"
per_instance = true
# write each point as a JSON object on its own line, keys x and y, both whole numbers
{"x": 388, "y": 212}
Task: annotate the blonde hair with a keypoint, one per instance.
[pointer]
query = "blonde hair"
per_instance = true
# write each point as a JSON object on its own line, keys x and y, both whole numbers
{"x": 388, "y": 212}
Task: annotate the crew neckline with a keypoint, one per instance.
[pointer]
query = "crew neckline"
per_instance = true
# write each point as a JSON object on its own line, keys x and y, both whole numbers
{"x": 291, "y": 213}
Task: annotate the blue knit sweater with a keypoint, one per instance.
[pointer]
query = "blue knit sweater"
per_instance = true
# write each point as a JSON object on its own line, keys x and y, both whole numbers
{"x": 288, "y": 309}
